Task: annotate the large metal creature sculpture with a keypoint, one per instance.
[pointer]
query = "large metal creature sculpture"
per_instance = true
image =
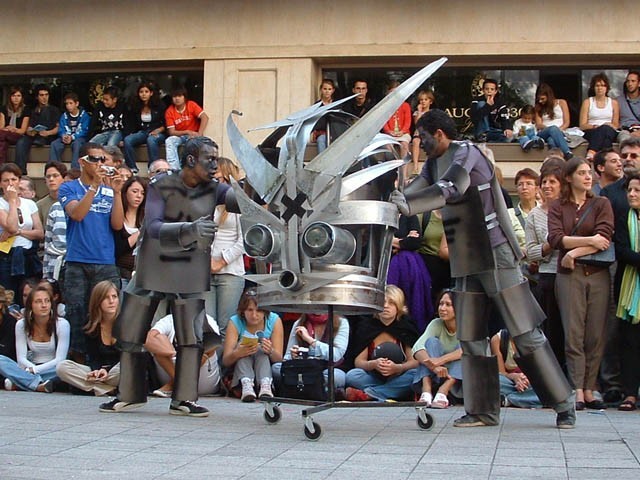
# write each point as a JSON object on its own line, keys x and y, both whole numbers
{"x": 327, "y": 233}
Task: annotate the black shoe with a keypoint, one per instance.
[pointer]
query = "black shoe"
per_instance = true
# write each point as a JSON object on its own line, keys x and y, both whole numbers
{"x": 580, "y": 406}
{"x": 48, "y": 386}
{"x": 566, "y": 420}
{"x": 568, "y": 156}
{"x": 187, "y": 408}
{"x": 471, "y": 421}
{"x": 595, "y": 405}
{"x": 613, "y": 396}
{"x": 539, "y": 144}
{"x": 117, "y": 406}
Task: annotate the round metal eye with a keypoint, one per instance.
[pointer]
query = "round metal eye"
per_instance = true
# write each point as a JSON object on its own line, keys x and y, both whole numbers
{"x": 324, "y": 242}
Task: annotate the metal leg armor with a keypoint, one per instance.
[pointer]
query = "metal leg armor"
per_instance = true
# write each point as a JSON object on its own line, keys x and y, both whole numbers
{"x": 520, "y": 311}
{"x": 131, "y": 330}
{"x": 481, "y": 387}
{"x": 188, "y": 319}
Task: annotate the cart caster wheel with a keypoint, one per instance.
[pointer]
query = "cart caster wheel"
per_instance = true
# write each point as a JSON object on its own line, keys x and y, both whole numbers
{"x": 314, "y": 434}
{"x": 272, "y": 414}
{"x": 425, "y": 421}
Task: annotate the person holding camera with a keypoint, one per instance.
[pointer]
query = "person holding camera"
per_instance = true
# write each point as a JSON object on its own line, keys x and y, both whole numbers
{"x": 93, "y": 205}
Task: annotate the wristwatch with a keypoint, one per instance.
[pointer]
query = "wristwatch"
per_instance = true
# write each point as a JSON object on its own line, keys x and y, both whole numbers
{"x": 92, "y": 189}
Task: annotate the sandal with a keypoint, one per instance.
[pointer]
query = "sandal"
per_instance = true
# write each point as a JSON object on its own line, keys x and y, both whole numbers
{"x": 440, "y": 401}
{"x": 627, "y": 405}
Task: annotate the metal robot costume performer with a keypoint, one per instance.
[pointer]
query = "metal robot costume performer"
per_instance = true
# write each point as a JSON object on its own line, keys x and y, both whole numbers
{"x": 172, "y": 263}
{"x": 484, "y": 256}
{"x": 329, "y": 230}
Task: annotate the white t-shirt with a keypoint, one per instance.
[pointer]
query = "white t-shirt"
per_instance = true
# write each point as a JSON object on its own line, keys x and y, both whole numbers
{"x": 26, "y": 208}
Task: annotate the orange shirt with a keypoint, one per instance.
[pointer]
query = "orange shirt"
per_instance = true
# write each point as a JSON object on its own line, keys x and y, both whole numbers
{"x": 188, "y": 119}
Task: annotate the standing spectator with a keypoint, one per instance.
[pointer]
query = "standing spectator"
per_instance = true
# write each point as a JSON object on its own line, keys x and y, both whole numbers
{"x": 426, "y": 98}
{"x": 435, "y": 253}
{"x": 93, "y": 205}
{"x": 361, "y": 104}
{"x": 42, "y": 341}
{"x": 552, "y": 119}
{"x": 599, "y": 116}
{"x": 107, "y": 121}
{"x": 20, "y": 229}
{"x": 134, "y": 193}
{"x": 399, "y": 125}
{"x": 14, "y": 121}
{"x": 227, "y": 261}
{"x": 629, "y": 103}
{"x": 319, "y": 133}
{"x": 184, "y": 119}
{"x": 582, "y": 290}
{"x": 43, "y": 127}
{"x": 627, "y": 241}
{"x": 73, "y": 131}
{"x": 490, "y": 115}
{"x": 157, "y": 167}
{"x": 144, "y": 123}
{"x": 608, "y": 167}
{"x": 102, "y": 372}
{"x": 26, "y": 188}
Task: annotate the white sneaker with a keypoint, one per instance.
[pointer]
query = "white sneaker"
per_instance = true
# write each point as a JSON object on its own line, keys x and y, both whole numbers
{"x": 8, "y": 384}
{"x": 248, "y": 392}
{"x": 426, "y": 397}
{"x": 265, "y": 388}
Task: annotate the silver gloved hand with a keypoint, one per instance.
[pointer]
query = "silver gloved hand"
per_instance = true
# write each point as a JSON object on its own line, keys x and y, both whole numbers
{"x": 398, "y": 199}
{"x": 201, "y": 231}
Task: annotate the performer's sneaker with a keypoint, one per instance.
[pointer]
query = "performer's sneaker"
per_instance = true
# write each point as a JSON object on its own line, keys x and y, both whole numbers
{"x": 471, "y": 421}
{"x": 117, "y": 406}
{"x": 566, "y": 420}
{"x": 187, "y": 408}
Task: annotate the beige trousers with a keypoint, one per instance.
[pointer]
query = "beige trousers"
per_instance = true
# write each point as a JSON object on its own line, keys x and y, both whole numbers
{"x": 75, "y": 375}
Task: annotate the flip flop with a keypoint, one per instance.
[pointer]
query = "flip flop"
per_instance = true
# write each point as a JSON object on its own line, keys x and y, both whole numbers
{"x": 440, "y": 401}
{"x": 627, "y": 406}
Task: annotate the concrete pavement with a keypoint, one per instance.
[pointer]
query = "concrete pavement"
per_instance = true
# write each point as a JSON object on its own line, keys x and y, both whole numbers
{"x": 61, "y": 436}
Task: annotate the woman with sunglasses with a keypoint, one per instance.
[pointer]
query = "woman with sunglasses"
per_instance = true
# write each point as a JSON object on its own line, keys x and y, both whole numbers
{"x": 20, "y": 232}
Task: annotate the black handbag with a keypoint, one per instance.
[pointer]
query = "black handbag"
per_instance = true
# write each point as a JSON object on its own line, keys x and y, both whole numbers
{"x": 303, "y": 378}
{"x": 599, "y": 259}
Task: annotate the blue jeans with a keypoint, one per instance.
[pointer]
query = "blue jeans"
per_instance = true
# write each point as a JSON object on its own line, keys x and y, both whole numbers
{"x": 133, "y": 140}
{"x": 21, "y": 378}
{"x": 80, "y": 278}
{"x": 171, "y": 146}
{"x": 434, "y": 348}
{"x": 221, "y": 301}
{"x": 382, "y": 388}
{"x": 321, "y": 142}
{"x": 111, "y": 138}
{"x": 555, "y": 138}
{"x": 57, "y": 147}
{"x": 525, "y": 399}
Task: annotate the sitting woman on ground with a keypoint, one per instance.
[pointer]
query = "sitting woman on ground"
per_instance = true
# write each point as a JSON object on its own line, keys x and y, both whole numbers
{"x": 552, "y": 119}
{"x": 311, "y": 331}
{"x": 599, "y": 116}
{"x": 515, "y": 389}
{"x": 102, "y": 373}
{"x": 254, "y": 341}
{"x": 627, "y": 241}
{"x": 7, "y": 327}
{"x": 384, "y": 366}
{"x": 438, "y": 352}
{"x": 42, "y": 341}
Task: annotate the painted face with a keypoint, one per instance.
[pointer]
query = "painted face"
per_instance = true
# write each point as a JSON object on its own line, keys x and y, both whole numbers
{"x": 445, "y": 308}
{"x": 110, "y": 303}
{"x": 53, "y": 179}
{"x": 109, "y": 101}
{"x": 428, "y": 142}
{"x": 581, "y": 180}
{"x": 41, "y": 304}
{"x": 550, "y": 188}
{"x": 633, "y": 194}
{"x": 207, "y": 163}
{"x": 135, "y": 194}
{"x": 630, "y": 156}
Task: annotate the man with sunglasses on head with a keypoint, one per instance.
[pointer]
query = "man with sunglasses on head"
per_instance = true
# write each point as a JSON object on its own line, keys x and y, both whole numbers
{"x": 93, "y": 205}
{"x": 172, "y": 264}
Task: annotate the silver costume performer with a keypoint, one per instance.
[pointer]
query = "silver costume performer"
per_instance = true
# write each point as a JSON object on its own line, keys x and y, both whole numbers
{"x": 173, "y": 263}
{"x": 484, "y": 255}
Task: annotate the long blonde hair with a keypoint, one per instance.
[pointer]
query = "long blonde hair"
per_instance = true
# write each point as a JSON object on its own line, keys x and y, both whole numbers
{"x": 229, "y": 170}
{"x": 98, "y": 294}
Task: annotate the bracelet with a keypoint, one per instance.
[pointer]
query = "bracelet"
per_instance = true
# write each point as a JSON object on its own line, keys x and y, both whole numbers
{"x": 92, "y": 189}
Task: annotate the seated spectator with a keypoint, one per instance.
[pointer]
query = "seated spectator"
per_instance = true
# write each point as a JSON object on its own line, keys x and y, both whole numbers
{"x": 599, "y": 116}
{"x": 56, "y": 290}
{"x": 524, "y": 130}
{"x": 552, "y": 119}
{"x": 42, "y": 130}
{"x": 629, "y": 103}
{"x": 20, "y": 230}
{"x": 490, "y": 115}
{"x": 107, "y": 121}
{"x": 384, "y": 366}
{"x": 426, "y": 98}
{"x": 515, "y": 389}
{"x": 627, "y": 235}
{"x": 144, "y": 123}
{"x": 399, "y": 125}
{"x": 114, "y": 156}
{"x": 161, "y": 343}
{"x": 14, "y": 121}
{"x": 73, "y": 130}
{"x": 7, "y": 327}
{"x": 438, "y": 353}
{"x": 42, "y": 341}
{"x": 157, "y": 167}
{"x": 102, "y": 372}
{"x": 134, "y": 192}
{"x": 184, "y": 119}
{"x": 26, "y": 188}
{"x": 311, "y": 331}
{"x": 251, "y": 359}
